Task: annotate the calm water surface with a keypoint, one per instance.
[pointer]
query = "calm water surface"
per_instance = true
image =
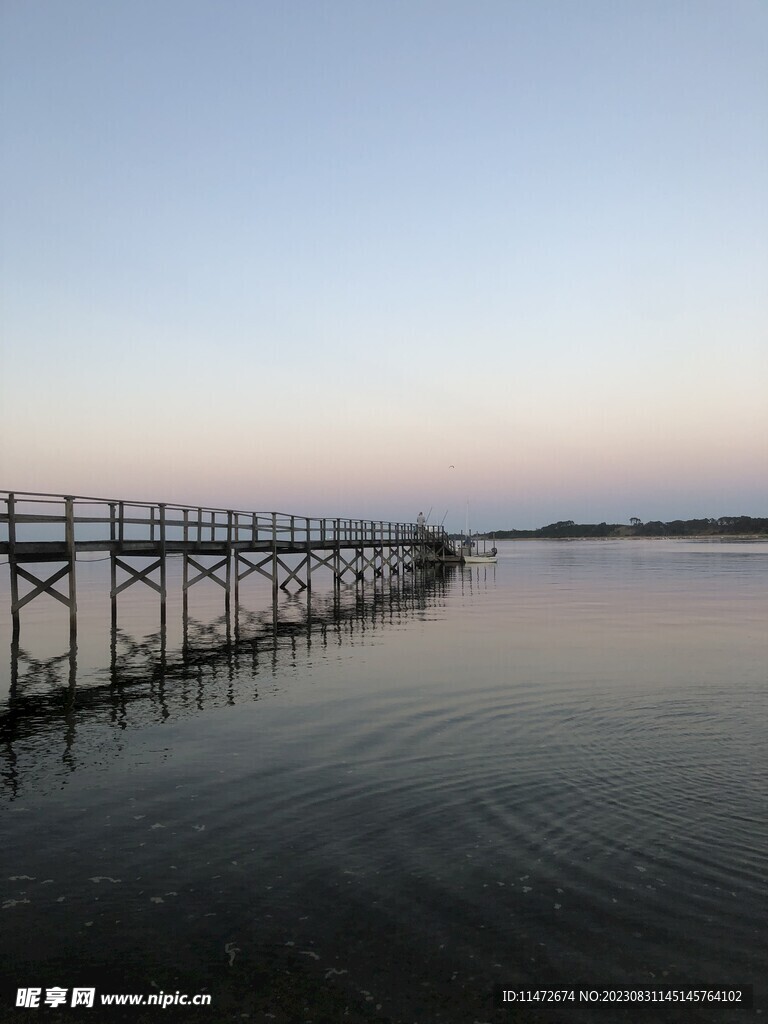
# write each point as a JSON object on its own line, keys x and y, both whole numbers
{"x": 547, "y": 773}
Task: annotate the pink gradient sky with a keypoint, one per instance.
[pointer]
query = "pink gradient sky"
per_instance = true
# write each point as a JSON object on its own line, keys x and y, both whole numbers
{"x": 308, "y": 265}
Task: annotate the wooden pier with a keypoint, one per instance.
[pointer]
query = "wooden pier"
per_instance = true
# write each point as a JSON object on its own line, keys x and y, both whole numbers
{"x": 222, "y": 545}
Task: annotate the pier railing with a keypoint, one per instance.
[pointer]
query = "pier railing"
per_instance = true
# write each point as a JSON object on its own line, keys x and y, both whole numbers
{"x": 96, "y": 524}
{"x": 37, "y": 527}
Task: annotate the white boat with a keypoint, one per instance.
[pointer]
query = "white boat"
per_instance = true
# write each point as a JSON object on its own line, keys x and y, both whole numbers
{"x": 469, "y": 551}
{"x": 472, "y": 555}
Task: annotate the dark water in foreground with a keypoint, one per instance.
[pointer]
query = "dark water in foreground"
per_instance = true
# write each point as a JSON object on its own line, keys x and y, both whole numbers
{"x": 551, "y": 773}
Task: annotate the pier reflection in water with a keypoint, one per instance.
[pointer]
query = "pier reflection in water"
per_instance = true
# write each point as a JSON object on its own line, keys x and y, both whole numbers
{"x": 165, "y": 673}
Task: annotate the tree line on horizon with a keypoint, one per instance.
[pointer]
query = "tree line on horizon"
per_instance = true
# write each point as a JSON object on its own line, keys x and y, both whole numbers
{"x": 567, "y": 528}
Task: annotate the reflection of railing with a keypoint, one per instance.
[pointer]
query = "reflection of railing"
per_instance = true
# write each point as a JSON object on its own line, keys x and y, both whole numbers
{"x": 217, "y": 663}
{"x": 285, "y": 549}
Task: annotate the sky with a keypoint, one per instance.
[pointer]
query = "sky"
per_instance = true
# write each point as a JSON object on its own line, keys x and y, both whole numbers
{"x": 354, "y": 258}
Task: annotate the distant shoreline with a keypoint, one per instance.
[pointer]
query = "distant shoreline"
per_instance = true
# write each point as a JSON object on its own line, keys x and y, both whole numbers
{"x": 619, "y": 537}
{"x": 725, "y": 528}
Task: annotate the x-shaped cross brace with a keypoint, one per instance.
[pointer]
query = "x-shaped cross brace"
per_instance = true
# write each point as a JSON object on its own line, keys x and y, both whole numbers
{"x": 253, "y": 568}
{"x": 137, "y": 576}
{"x": 41, "y": 587}
{"x": 347, "y": 565}
{"x": 319, "y": 560}
{"x": 203, "y": 572}
{"x": 293, "y": 574}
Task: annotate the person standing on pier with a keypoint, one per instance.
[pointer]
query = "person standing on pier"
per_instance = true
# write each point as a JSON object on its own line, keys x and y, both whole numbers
{"x": 420, "y": 523}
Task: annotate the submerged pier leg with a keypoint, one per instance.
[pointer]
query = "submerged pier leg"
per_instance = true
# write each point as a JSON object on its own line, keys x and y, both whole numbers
{"x": 185, "y": 586}
{"x": 336, "y": 554}
{"x": 11, "y": 502}
{"x": 274, "y": 560}
{"x": 163, "y": 562}
{"x": 69, "y": 533}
